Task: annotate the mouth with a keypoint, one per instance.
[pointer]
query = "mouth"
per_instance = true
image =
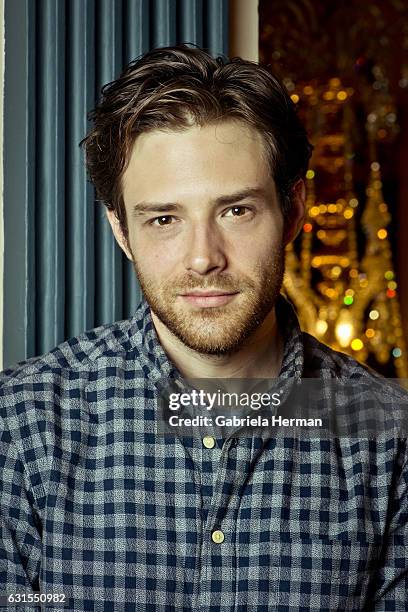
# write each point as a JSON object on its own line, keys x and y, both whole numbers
{"x": 208, "y": 299}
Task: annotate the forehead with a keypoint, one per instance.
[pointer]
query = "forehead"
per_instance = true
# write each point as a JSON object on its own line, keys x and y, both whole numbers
{"x": 228, "y": 156}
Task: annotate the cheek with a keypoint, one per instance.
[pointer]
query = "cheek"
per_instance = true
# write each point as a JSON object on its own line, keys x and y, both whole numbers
{"x": 152, "y": 261}
{"x": 255, "y": 248}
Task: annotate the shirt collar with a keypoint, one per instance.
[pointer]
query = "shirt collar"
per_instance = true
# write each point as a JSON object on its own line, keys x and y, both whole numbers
{"x": 293, "y": 352}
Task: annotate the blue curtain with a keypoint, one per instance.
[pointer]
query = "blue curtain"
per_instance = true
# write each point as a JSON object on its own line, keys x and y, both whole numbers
{"x": 63, "y": 272}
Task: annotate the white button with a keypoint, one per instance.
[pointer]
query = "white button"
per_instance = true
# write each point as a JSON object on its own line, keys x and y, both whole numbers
{"x": 217, "y": 536}
{"x": 209, "y": 442}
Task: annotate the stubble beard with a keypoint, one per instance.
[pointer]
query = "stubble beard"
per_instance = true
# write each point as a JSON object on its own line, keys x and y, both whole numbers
{"x": 216, "y": 330}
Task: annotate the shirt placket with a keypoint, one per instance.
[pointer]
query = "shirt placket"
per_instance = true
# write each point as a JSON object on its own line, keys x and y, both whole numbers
{"x": 225, "y": 466}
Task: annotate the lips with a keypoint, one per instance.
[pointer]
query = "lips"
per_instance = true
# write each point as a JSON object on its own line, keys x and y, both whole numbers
{"x": 208, "y": 293}
{"x": 205, "y": 299}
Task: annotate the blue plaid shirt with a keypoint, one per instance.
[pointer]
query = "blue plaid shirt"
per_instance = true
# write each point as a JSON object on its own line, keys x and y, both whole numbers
{"x": 94, "y": 504}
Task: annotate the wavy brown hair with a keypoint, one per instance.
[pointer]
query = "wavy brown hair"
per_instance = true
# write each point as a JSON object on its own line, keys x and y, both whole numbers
{"x": 176, "y": 87}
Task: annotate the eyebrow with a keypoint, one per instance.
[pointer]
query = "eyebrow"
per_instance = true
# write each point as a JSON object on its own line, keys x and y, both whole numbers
{"x": 145, "y": 207}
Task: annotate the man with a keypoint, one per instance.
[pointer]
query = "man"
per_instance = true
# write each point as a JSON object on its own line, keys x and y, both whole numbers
{"x": 200, "y": 163}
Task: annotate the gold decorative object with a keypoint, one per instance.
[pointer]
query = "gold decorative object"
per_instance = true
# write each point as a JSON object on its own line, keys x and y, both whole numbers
{"x": 339, "y": 272}
{"x": 347, "y": 301}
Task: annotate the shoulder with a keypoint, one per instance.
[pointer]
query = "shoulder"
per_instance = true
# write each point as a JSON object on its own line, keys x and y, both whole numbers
{"x": 76, "y": 354}
{"x": 45, "y": 398}
{"x": 321, "y": 361}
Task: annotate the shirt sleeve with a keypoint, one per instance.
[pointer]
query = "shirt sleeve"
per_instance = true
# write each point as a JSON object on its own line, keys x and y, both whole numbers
{"x": 391, "y": 584}
{"x": 20, "y": 527}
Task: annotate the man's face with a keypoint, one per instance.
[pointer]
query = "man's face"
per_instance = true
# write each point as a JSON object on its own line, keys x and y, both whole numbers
{"x": 205, "y": 232}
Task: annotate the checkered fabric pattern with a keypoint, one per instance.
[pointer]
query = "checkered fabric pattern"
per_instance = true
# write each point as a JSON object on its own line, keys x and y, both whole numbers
{"x": 95, "y": 505}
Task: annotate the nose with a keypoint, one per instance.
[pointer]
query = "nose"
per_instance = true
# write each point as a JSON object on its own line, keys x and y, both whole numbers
{"x": 204, "y": 250}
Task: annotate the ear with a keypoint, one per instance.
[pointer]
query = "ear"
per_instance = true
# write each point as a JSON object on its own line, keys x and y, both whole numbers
{"x": 118, "y": 233}
{"x": 295, "y": 223}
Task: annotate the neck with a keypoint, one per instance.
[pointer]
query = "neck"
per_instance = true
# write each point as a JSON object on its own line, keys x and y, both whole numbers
{"x": 260, "y": 355}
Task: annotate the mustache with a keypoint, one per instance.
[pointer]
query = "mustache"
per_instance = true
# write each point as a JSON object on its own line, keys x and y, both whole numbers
{"x": 219, "y": 282}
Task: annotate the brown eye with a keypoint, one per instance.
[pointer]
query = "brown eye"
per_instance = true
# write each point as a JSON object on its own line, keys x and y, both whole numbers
{"x": 236, "y": 211}
{"x": 165, "y": 220}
